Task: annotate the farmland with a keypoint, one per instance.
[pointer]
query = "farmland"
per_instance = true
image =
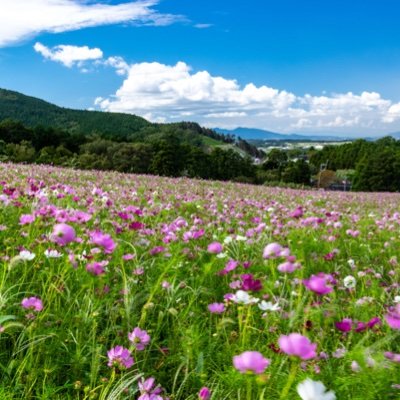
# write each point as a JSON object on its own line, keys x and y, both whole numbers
{"x": 215, "y": 290}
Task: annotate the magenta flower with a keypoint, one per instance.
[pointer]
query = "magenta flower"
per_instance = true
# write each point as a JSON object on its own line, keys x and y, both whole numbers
{"x": 103, "y": 240}
{"x": 26, "y": 219}
{"x": 97, "y": 267}
{"x": 249, "y": 283}
{"x": 120, "y": 358}
{"x": 204, "y": 393}
{"x": 139, "y": 338}
{"x": 250, "y": 361}
{"x": 393, "y": 317}
{"x": 374, "y": 321}
{"x": 272, "y": 250}
{"x": 63, "y": 234}
{"x": 148, "y": 391}
{"x": 32, "y": 303}
{"x": 297, "y": 345}
{"x": 345, "y": 325}
{"x": 319, "y": 283}
{"x": 216, "y": 308}
{"x": 287, "y": 267}
{"x": 392, "y": 356}
{"x": 215, "y": 248}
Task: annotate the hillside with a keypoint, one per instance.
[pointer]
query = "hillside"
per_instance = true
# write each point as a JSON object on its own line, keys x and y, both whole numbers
{"x": 32, "y": 112}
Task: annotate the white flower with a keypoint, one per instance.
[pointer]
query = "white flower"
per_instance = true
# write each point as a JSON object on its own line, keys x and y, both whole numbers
{"x": 241, "y": 238}
{"x": 351, "y": 263}
{"x": 313, "y": 390}
{"x": 268, "y": 306}
{"x": 349, "y": 282}
{"x": 26, "y": 255}
{"x": 228, "y": 240}
{"x": 222, "y": 255}
{"x": 242, "y": 297}
{"x": 52, "y": 254}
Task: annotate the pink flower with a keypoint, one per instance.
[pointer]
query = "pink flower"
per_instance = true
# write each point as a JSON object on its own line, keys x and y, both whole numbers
{"x": 272, "y": 250}
{"x": 393, "y": 317}
{"x": 250, "y": 361}
{"x": 97, "y": 267}
{"x": 63, "y": 234}
{"x": 345, "y": 325}
{"x": 139, "y": 338}
{"x": 103, "y": 240}
{"x": 215, "y": 248}
{"x": 26, "y": 219}
{"x": 119, "y": 357}
{"x": 287, "y": 267}
{"x": 148, "y": 391}
{"x": 318, "y": 283}
{"x": 297, "y": 345}
{"x": 392, "y": 356}
{"x": 32, "y": 303}
{"x": 204, "y": 393}
{"x": 216, "y": 308}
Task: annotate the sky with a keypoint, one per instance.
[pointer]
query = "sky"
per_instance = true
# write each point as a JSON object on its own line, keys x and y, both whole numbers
{"x": 304, "y": 66}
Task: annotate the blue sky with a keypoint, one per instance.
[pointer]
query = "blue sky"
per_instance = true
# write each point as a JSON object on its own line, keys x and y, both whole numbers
{"x": 287, "y": 65}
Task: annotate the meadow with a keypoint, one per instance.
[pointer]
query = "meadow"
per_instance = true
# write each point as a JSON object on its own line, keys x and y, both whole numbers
{"x": 117, "y": 286}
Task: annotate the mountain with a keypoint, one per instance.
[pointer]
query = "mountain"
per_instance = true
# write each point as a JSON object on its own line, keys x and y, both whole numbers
{"x": 32, "y": 112}
{"x": 260, "y": 134}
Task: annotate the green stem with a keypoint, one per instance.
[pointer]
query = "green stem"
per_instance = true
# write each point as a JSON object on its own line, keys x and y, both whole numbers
{"x": 249, "y": 387}
{"x": 289, "y": 383}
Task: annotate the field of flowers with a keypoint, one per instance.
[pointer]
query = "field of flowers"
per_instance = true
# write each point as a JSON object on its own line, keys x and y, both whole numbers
{"x": 120, "y": 286}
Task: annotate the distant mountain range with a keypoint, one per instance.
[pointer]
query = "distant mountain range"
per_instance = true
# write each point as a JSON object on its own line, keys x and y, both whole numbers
{"x": 260, "y": 134}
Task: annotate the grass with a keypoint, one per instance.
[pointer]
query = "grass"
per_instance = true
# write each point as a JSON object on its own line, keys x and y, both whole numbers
{"x": 60, "y": 352}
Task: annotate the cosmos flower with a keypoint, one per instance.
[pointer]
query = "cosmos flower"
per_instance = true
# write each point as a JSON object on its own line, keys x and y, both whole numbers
{"x": 251, "y": 361}
{"x": 120, "y": 358}
{"x": 97, "y": 267}
{"x": 139, "y": 338}
{"x": 215, "y": 248}
{"x": 345, "y": 325}
{"x": 314, "y": 390}
{"x": 26, "y": 255}
{"x": 297, "y": 345}
{"x": 103, "y": 240}
{"x": 349, "y": 282}
{"x": 32, "y": 303}
{"x": 268, "y": 306}
{"x": 392, "y": 356}
{"x": 63, "y": 234}
{"x": 52, "y": 253}
{"x": 272, "y": 250}
{"x": 242, "y": 297}
{"x": 393, "y": 317}
{"x": 204, "y": 393}
{"x": 26, "y": 219}
{"x": 216, "y": 308}
{"x": 318, "y": 284}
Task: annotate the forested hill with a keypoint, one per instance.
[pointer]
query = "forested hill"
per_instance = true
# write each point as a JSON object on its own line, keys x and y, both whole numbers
{"x": 33, "y": 112}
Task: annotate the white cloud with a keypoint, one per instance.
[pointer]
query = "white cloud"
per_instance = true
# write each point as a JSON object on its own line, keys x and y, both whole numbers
{"x": 22, "y": 19}
{"x": 120, "y": 65}
{"x": 203, "y": 26}
{"x": 69, "y": 55}
{"x": 172, "y": 92}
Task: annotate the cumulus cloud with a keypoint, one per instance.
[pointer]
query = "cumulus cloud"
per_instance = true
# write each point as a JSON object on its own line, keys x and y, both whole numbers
{"x": 23, "y": 19}
{"x": 173, "y": 92}
{"x": 68, "y": 55}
